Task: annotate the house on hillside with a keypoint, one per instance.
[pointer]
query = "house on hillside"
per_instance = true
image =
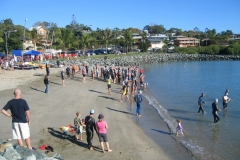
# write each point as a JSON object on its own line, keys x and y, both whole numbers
{"x": 187, "y": 41}
{"x": 43, "y": 36}
{"x": 157, "y": 41}
{"x": 137, "y": 40}
{"x": 235, "y": 37}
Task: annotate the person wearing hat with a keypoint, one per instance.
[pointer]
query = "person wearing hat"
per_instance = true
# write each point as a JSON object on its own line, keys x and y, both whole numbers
{"x": 102, "y": 132}
{"x": 226, "y": 99}
{"x": 214, "y": 111}
{"x": 138, "y": 100}
{"x": 90, "y": 125}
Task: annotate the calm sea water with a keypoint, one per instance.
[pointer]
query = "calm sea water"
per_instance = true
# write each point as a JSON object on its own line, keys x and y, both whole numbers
{"x": 173, "y": 91}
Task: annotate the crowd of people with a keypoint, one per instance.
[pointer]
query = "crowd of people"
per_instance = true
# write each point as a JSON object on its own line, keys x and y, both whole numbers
{"x": 127, "y": 77}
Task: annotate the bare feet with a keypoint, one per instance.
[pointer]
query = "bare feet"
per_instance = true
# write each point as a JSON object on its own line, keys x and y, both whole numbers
{"x": 109, "y": 150}
{"x": 91, "y": 148}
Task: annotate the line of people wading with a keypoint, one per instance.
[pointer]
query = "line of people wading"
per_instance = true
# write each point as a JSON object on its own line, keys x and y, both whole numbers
{"x": 215, "y": 108}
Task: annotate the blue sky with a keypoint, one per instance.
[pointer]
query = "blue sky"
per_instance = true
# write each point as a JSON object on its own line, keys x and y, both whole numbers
{"x": 184, "y": 14}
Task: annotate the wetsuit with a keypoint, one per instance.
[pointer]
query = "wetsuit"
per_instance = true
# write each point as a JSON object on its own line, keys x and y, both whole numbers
{"x": 214, "y": 112}
{"x": 200, "y": 101}
{"x": 90, "y": 125}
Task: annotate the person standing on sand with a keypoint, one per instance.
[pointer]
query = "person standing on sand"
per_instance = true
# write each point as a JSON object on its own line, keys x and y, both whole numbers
{"x": 62, "y": 77}
{"x": 138, "y": 99}
{"x": 79, "y": 126}
{"x": 58, "y": 63}
{"x": 68, "y": 71}
{"x": 47, "y": 69}
{"x": 102, "y": 132}
{"x": 214, "y": 111}
{"x": 90, "y": 125}
{"x": 200, "y": 102}
{"x": 109, "y": 81}
{"x": 84, "y": 74}
{"x": 20, "y": 118}
{"x": 46, "y": 83}
{"x": 2, "y": 67}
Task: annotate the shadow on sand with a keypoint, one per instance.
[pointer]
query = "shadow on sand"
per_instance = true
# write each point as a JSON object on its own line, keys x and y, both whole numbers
{"x": 54, "y": 83}
{"x": 36, "y": 89}
{"x": 70, "y": 138}
{"x": 161, "y": 131}
{"x": 106, "y": 97}
{"x": 96, "y": 91}
{"x": 120, "y": 111}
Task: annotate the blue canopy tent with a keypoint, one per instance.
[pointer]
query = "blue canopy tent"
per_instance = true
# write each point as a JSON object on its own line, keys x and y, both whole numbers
{"x": 32, "y": 52}
{"x": 16, "y": 52}
{"x": 2, "y": 55}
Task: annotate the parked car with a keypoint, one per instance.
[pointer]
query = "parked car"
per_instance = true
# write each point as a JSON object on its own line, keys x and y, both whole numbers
{"x": 91, "y": 52}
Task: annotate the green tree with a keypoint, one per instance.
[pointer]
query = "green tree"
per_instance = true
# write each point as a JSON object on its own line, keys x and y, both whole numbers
{"x": 85, "y": 41}
{"x": 127, "y": 38}
{"x": 106, "y": 37}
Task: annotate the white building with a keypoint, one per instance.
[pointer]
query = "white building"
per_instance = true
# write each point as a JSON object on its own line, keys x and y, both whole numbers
{"x": 157, "y": 41}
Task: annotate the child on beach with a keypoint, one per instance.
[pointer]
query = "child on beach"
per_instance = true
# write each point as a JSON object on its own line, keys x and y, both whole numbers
{"x": 79, "y": 126}
{"x": 179, "y": 128}
{"x": 109, "y": 81}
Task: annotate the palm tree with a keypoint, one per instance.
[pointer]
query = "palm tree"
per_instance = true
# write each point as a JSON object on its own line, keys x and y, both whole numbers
{"x": 106, "y": 37}
{"x": 65, "y": 38}
{"x": 127, "y": 37}
{"x": 85, "y": 41}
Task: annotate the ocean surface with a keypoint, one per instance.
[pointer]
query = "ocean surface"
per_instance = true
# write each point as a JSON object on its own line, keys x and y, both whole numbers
{"x": 173, "y": 90}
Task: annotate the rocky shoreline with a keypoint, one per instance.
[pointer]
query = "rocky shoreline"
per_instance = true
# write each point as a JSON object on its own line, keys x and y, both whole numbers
{"x": 148, "y": 59}
{"x": 9, "y": 151}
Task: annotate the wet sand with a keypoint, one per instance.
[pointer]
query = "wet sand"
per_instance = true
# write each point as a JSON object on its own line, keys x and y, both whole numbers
{"x": 50, "y": 112}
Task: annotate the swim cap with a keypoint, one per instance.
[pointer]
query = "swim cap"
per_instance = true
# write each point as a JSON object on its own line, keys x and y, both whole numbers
{"x": 216, "y": 100}
{"x": 91, "y": 111}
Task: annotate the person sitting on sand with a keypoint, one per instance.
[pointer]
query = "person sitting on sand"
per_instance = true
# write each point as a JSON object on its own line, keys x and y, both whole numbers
{"x": 79, "y": 126}
{"x": 102, "y": 132}
{"x": 179, "y": 127}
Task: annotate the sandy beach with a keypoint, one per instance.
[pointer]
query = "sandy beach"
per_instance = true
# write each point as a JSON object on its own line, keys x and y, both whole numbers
{"x": 49, "y": 112}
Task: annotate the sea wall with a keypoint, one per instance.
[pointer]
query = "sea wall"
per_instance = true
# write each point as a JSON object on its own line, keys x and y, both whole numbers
{"x": 149, "y": 59}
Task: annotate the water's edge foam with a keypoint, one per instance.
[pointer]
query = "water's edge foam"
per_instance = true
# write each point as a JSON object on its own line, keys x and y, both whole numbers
{"x": 192, "y": 147}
